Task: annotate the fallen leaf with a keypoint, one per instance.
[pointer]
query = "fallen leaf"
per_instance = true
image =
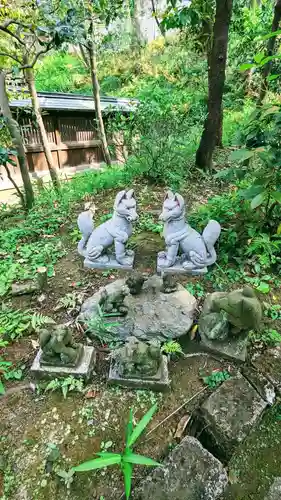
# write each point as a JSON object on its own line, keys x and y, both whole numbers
{"x": 35, "y": 344}
{"x": 182, "y": 426}
{"x": 193, "y": 332}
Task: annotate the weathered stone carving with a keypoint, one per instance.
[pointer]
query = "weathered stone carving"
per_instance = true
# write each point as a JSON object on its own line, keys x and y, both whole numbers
{"x": 58, "y": 348}
{"x": 197, "y": 251}
{"x": 137, "y": 359}
{"x": 135, "y": 283}
{"x": 228, "y": 314}
{"x": 112, "y": 300}
{"x": 117, "y": 230}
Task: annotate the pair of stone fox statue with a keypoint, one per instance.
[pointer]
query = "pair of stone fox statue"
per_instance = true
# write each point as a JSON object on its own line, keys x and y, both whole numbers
{"x": 186, "y": 249}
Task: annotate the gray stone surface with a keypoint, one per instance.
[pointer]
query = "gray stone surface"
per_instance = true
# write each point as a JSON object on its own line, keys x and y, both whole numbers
{"x": 262, "y": 385}
{"x": 235, "y": 348}
{"x": 111, "y": 263}
{"x": 189, "y": 473}
{"x": 177, "y": 268}
{"x": 230, "y": 413}
{"x": 269, "y": 364}
{"x": 197, "y": 250}
{"x": 275, "y": 490}
{"x": 116, "y": 231}
{"x": 151, "y": 314}
{"x": 84, "y": 369}
{"x": 158, "y": 382}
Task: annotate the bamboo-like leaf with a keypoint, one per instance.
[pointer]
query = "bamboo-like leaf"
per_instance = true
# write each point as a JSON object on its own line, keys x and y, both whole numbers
{"x": 134, "y": 458}
{"x": 258, "y": 200}
{"x": 2, "y": 388}
{"x": 142, "y": 425}
{"x": 272, "y": 34}
{"x": 129, "y": 428}
{"x": 98, "y": 463}
{"x": 105, "y": 454}
{"x": 127, "y": 472}
{"x": 246, "y": 66}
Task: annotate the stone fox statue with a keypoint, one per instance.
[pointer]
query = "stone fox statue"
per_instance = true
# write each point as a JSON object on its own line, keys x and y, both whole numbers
{"x": 197, "y": 250}
{"x": 117, "y": 230}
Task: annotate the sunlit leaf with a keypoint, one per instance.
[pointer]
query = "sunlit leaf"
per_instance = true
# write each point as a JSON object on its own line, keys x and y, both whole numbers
{"x": 263, "y": 287}
{"x": 276, "y": 195}
{"x": 142, "y": 425}
{"x": 273, "y": 77}
{"x": 134, "y": 458}
{"x": 259, "y": 57}
{"x": 246, "y": 66}
{"x": 241, "y": 155}
{"x": 272, "y": 34}
{"x": 258, "y": 200}
{"x": 278, "y": 230}
{"x": 98, "y": 463}
{"x": 272, "y": 110}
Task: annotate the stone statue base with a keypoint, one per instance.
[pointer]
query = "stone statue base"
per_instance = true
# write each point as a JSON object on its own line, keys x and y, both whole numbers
{"x": 83, "y": 369}
{"x": 110, "y": 262}
{"x": 177, "y": 268}
{"x": 158, "y": 382}
{"x": 232, "y": 348}
{"x": 44, "y": 361}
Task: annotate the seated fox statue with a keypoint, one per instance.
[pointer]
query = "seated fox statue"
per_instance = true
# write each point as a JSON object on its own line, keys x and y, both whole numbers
{"x": 117, "y": 230}
{"x": 187, "y": 250}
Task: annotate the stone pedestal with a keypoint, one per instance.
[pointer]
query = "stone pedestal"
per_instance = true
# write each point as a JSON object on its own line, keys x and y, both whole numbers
{"x": 230, "y": 348}
{"x": 111, "y": 263}
{"x": 177, "y": 268}
{"x": 229, "y": 414}
{"x": 269, "y": 364}
{"x": 83, "y": 369}
{"x": 158, "y": 382}
{"x": 275, "y": 490}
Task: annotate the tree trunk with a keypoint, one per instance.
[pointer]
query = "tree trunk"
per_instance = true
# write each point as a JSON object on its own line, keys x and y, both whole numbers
{"x": 154, "y": 12}
{"x": 96, "y": 93}
{"x": 14, "y": 130}
{"x": 213, "y": 122}
{"x": 29, "y": 76}
{"x": 137, "y": 39}
{"x": 270, "y": 50}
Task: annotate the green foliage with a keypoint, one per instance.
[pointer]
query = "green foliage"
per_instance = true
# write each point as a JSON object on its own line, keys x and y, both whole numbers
{"x": 268, "y": 337}
{"x": 147, "y": 223}
{"x": 272, "y": 311}
{"x": 127, "y": 458}
{"x": 16, "y": 323}
{"x": 216, "y": 378}
{"x": 66, "y": 385}
{"x": 172, "y": 347}
{"x": 103, "y": 329}
{"x": 195, "y": 289}
{"x": 62, "y": 72}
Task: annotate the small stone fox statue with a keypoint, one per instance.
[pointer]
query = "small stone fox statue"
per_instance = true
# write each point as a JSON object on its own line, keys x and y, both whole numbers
{"x": 197, "y": 250}
{"x": 117, "y": 230}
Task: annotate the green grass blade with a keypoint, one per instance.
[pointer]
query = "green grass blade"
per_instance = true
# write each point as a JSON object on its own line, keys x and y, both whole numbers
{"x": 98, "y": 463}
{"x": 127, "y": 472}
{"x": 106, "y": 454}
{"x": 129, "y": 428}
{"x": 2, "y": 388}
{"x": 142, "y": 425}
{"x": 133, "y": 458}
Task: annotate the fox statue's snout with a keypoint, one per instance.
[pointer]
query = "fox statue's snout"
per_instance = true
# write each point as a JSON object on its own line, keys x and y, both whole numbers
{"x": 133, "y": 216}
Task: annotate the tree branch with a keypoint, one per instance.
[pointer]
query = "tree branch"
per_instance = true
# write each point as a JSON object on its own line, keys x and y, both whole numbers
{"x": 14, "y": 184}
{"x": 5, "y": 30}
{"x": 32, "y": 64}
{"x": 10, "y": 56}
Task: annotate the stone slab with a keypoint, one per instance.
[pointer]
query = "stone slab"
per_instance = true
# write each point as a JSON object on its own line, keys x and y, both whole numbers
{"x": 229, "y": 414}
{"x": 234, "y": 348}
{"x": 111, "y": 263}
{"x": 177, "y": 268}
{"x": 269, "y": 364}
{"x": 158, "y": 382}
{"x": 189, "y": 473}
{"x": 275, "y": 490}
{"x": 262, "y": 385}
{"x": 151, "y": 314}
{"x": 83, "y": 369}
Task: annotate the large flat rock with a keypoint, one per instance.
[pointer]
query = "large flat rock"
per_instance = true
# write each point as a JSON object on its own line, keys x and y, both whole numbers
{"x": 275, "y": 490}
{"x": 229, "y": 414}
{"x": 269, "y": 364}
{"x": 151, "y": 314}
{"x": 189, "y": 473}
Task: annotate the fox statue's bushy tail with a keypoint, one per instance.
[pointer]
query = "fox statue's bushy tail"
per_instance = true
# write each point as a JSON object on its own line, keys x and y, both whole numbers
{"x": 210, "y": 235}
{"x": 86, "y": 225}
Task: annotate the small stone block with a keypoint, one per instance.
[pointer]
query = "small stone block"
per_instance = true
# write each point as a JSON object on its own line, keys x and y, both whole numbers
{"x": 189, "y": 473}
{"x": 158, "y": 382}
{"x": 83, "y": 369}
{"x": 177, "y": 268}
{"x": 269, "y": 364}
{"x": 231, "y": 348}
{"x": 275, "y": 490}
{"x": 111, "y": 263}
{"x": 230, "y": 413}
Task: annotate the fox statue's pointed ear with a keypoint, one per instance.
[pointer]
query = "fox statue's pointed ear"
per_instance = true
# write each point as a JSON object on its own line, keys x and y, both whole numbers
{"x": 130, "y": 194}
{"x": 119, "y": 198}
{"x": 179, "y": 199}
{"x": 170, "y": 195}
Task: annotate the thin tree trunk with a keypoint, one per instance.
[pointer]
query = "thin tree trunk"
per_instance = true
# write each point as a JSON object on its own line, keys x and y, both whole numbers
{"x": 14, "y": 130}
{"x": 138, "y": 39}
{"x": 160, "y": 27}
{"x": 29, "y": 75}
{"x": 96, "y": 93}
{"x": 218, "y": 57}
{"x": 270, "y": 50}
